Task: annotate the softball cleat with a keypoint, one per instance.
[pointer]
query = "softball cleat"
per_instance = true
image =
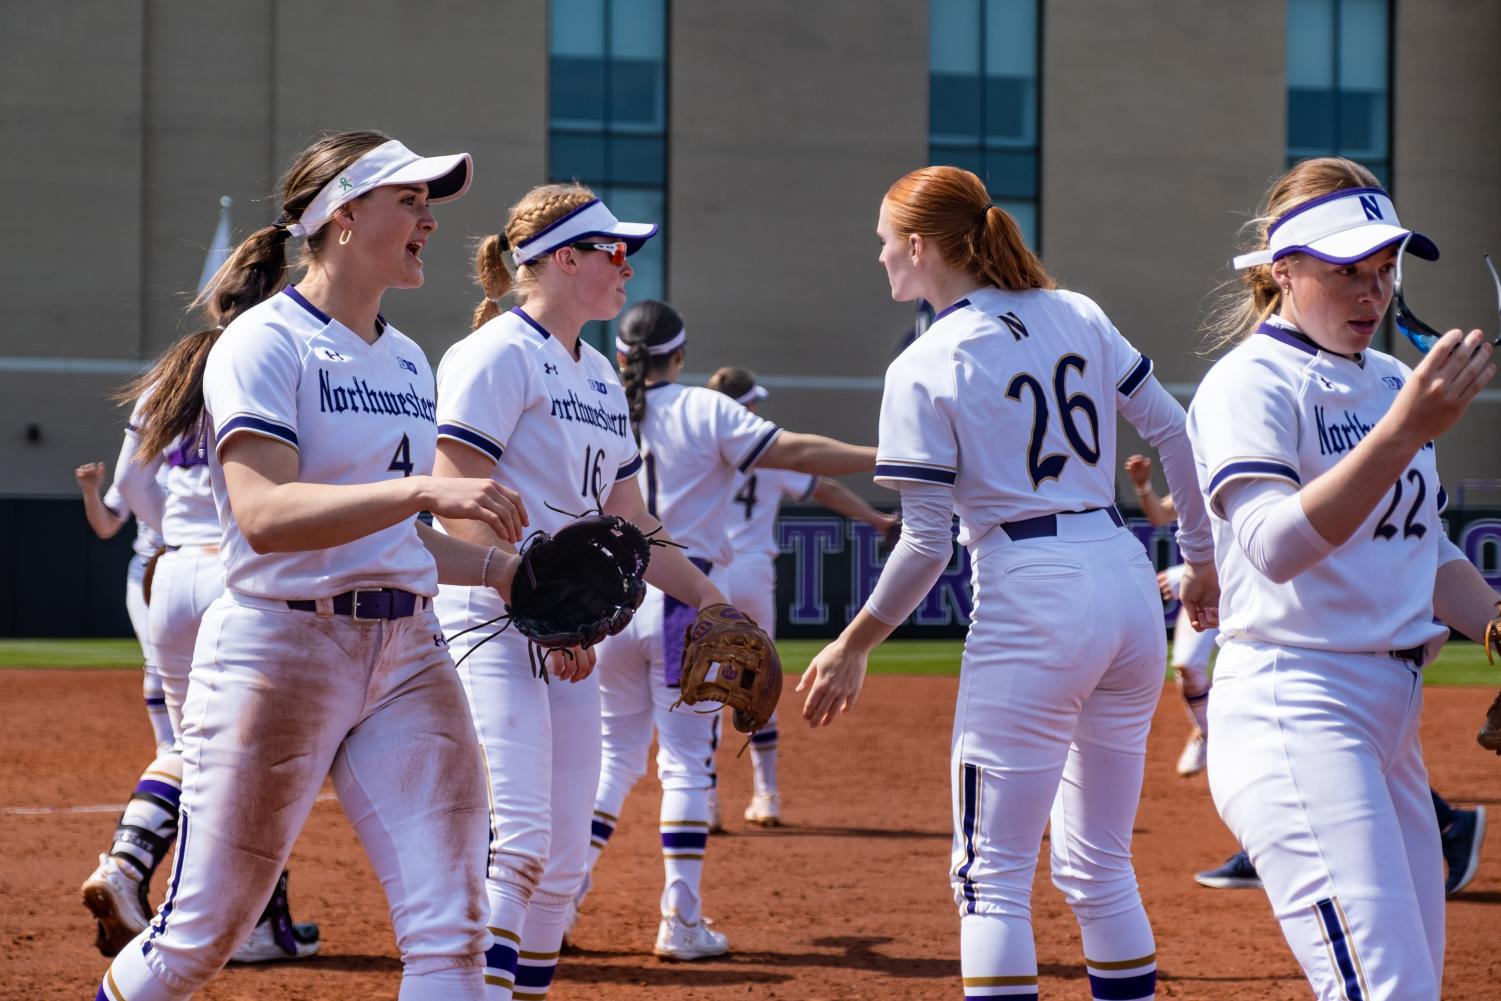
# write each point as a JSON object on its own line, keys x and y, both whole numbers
{"x": 117, "y": 899}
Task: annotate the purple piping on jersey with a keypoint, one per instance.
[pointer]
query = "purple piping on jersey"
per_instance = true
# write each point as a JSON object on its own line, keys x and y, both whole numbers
{"x": 1292, "y": 338}
{"x": 949, "y": 309}
{"x": 1252, "y": 467}
{"x": 301, "y": 300}
{"x": 1138, "y": 375}
{"x": 629, "y": 469}
{"x": 1339, "y": 943}
{"x": 1321, "y": 199}
{"x": 900, "y": 471}
{"x": 531, "y": 322}
{"x": 762, "y": 443}
{"x": 258, "y": 424}
{"x": 1443, "y": 498}
{"x": 660, "y": 385}
{"x": 471, "y": 438}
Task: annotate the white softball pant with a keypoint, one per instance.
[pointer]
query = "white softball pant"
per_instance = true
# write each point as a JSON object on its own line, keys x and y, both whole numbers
{"x": 187, "y": 582}
{"x": 1315, "y": 765}
{"x": 140, "y": 624}
{"x": 638, "y": 677}
{"x": 1061, "y": 673}
{"x": 279, "y": 699}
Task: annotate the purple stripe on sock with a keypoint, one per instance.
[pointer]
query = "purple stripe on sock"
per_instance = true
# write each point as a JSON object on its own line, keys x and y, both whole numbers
{"x": 684, "y": 839}
{"x": 764, "y": 737}
{"x": 161, "y": 790}
{"x": 601, "y": 830}
{"x": 1143, "y": 985}
{"x": 501, "y": 957}
{"x": 535, "y": 976}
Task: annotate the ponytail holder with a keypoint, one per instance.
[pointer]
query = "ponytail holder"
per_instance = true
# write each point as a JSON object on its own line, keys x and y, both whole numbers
{"x": 985, "y": 213}
{"x": 495, "y": 300}
{"x": 505, "y": 243}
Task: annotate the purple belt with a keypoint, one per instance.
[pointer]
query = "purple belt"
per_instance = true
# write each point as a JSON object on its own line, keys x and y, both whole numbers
{"x": 369, "y": 603}
{"x": 676, "y": 618}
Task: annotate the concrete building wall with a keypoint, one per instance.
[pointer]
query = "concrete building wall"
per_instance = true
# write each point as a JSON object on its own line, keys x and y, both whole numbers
{"x": 1162, "y": 124}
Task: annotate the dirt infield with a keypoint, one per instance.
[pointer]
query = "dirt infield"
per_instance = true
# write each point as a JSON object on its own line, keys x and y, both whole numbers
{"x": 849, "y": 901}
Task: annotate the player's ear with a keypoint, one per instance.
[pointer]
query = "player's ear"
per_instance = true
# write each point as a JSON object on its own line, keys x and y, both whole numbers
{"x": 915, "y": 247}
{"x": 567, "y": 259}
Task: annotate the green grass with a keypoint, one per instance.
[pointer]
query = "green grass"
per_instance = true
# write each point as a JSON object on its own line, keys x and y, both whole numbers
{"x": 1459, "y": 664}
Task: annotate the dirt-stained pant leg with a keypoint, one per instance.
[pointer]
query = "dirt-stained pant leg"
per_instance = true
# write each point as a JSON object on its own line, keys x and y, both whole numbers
{"x": 274, "y": 692}
{"x": 411, "y": 779}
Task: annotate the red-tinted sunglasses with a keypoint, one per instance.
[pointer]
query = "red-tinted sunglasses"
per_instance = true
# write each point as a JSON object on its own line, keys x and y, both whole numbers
{"x": 617, "y": 251}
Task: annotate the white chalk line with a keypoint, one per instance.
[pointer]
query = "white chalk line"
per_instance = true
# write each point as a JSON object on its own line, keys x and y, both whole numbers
{"x": 53, "y": 811}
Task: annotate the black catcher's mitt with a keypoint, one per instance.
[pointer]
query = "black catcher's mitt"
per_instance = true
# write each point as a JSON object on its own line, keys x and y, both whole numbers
{"x": 727, "y": 658}
{"x": 580, "y": 585}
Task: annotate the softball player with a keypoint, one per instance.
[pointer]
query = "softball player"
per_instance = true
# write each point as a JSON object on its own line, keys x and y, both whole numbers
{"x": 694, "y": 444}
{"x": 323, "y": 655}
{"x": 108, "y": 514}
{"x": 1063, "y": 662}
{"x": 1315, "y": 454}
{"x": 1189, "y": 657}
{"x": 752, "y": 576}
{"x": 526, "y": 402}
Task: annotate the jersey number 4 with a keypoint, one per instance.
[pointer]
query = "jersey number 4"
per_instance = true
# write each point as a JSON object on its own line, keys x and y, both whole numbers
{"x": 1049, "y": 467}
{"x": 401, "y": 462}
{"x": 746, "y": 496}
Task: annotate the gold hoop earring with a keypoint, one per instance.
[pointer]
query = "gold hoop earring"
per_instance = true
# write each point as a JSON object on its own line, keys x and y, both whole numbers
{"x": 344, "y": 237}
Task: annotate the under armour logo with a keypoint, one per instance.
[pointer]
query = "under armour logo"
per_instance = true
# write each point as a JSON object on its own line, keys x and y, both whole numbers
{"x": 1015, "y": 325}
{"x": 344, "y": 184}
{"x": 332, "y": 355}
{"x": 438, "y": 640}
{"x": 549, "y": 368}
{"x": 1324, "y": 382}
{"x": 1371, "y": 205}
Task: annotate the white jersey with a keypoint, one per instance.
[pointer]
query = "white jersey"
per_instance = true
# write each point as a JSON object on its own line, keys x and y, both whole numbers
{"x": 189, "y": 516}
{"x": 139, "y": 488}
{"x": 694, "y": 443}
{"x": 753, "y": 508}
{"x": 557, "y": 427}
{"x": 1021, "y": 388}
{"x": 1277, "y": 406}
{"x": 355, "y": 412}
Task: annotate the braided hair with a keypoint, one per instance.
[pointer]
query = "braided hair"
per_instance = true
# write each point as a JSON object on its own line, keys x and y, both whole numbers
{"x": 647, "y": 323}
{"x": 537, "y": 209}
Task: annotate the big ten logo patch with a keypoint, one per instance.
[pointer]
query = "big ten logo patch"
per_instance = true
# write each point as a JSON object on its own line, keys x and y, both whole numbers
{"x": 409, "y": 366}
{"x": 1392, "y": 382}
{"x": 598, "y": 387}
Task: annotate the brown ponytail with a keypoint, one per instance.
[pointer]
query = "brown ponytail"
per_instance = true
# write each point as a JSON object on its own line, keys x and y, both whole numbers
{"x": 951, "y": 208}
{"x": 176, "y": 386}
{"x": 648, "y": 322}
{"x": 1244, "y": 302}
{"x": 257, "y": 269}
{"x": 537, "y": 209}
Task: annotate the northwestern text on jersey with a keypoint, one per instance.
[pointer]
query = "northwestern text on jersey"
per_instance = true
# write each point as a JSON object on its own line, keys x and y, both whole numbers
{"x": 358, "y": 396}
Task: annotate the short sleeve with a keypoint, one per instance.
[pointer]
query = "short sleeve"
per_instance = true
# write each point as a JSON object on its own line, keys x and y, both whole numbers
{"x": 482, "y": 393}
{"x": 740, "y": 437}
{"x": 630, "y": 467}
{"x": 1243, "y": 423}
{"x": 917, "y": 442}
{"x": 250, "y": 384}
{"x": 799, "y": 486}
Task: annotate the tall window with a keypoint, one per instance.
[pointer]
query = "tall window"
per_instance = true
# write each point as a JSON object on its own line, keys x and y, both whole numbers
{"x": 1339, "y": 81}
{"x": 607, "y": 119}
{"x": 983, "y": 97}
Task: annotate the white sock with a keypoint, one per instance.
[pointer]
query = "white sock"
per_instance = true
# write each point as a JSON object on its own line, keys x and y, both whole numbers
{"x": 992, "y": 946}
{"x": 763, "y": 745}
{"x": 684, "y": 826}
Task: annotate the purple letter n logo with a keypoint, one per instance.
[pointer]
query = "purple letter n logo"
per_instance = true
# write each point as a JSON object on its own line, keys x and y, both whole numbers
{"x": 1371, "y": 206}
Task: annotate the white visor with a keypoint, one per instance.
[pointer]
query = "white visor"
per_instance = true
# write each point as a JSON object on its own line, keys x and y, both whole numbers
{"x": 756, "y": 392}
{"x": 1340, "y": 228}
{"x": 667, "y": 347}
{"x": 446, "y": 177}
{"x": 590, "y": 219}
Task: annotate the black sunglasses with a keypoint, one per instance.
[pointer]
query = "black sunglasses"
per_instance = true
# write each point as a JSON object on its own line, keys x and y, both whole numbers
{"x": 1422, "y": 336}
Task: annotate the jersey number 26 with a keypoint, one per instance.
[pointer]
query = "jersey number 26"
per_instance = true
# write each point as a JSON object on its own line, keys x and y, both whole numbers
{"x": 1049, "y": 467}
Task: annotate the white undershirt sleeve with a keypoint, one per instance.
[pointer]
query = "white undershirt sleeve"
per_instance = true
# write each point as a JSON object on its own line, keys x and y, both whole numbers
{"x": 1272, "y": 528}
{"x": 1160, "y": 420}
{"x": 920, "y": 556}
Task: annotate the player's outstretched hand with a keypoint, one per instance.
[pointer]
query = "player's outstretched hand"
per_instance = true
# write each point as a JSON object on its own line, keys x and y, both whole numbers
{"x": 1139, "y": 468}
{"x": 478, "y": 500}
{"x": 1450, "y": 375}
{"x": 1199, "y": 590}
{"x": 90, "y": 475}
{"x": 832, "y": 682}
